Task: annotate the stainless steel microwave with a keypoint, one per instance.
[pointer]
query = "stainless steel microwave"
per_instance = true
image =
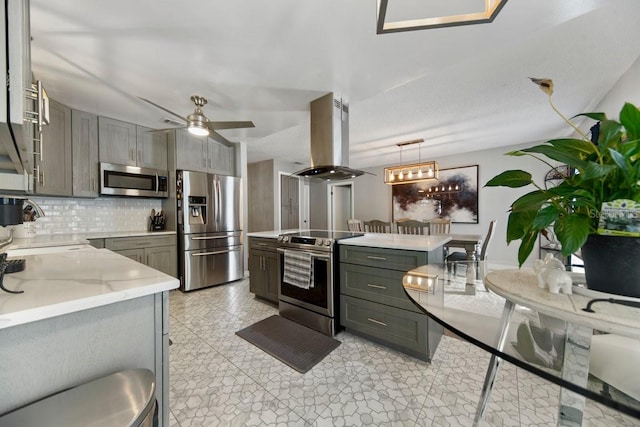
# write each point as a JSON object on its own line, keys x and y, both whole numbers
{"x": 121, "y": 180}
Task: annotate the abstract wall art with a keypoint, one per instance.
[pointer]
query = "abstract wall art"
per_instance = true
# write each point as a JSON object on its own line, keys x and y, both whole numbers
{"x": 454, "y": 196}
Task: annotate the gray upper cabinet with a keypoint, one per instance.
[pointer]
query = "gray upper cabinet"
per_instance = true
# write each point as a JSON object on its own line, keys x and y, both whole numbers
{"x": 220, "y": 158}
{"x": 54, "y": 165}
{"x": 128, "y": 144}
{"x": 117, "y": 141}
{"x": 151, "y": 148}
{"x": 203, "y": 154}
{"x": 191, "y": 152}
{"x": 84, "y": 141}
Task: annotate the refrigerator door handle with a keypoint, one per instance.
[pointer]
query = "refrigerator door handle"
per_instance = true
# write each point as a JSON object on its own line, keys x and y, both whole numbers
{"x": 219, "y": 196}
{"x": 210, "y": 237}
{"x": 214, "y": 252}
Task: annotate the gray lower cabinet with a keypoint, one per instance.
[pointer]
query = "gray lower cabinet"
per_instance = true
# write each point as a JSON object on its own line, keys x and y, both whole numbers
{"x": 162, "y": 258}
{"x": 263, "y": 268}
{"x": 373, "y": 302}
{"x": 96, "y": 243}
{"x": 159, "y": 252}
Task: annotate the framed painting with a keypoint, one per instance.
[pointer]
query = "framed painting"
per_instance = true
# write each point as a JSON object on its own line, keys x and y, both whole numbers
{"x": 454, "y": 196}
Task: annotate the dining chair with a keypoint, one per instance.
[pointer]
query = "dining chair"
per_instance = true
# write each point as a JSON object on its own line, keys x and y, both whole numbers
{"x": 440, "y": 226}
{"x": 412, "y": 227}
{"x": 355, "y": 225}
{"x": 377, "y": 226}
{"x": 462, "y": 256}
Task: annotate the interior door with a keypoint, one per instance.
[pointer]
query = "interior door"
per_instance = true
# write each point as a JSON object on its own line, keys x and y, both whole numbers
{"x": 289, "y": 202}
{"x": 340, "y": 206}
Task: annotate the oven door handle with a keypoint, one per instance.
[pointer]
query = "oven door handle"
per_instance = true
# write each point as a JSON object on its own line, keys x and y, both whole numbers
{"x": 313, "y": 254}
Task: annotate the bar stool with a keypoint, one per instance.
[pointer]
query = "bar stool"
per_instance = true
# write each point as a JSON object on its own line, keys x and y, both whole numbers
{"x": 126, "y": 398}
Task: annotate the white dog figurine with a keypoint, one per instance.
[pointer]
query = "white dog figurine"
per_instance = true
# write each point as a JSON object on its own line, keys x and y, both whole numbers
{"x": 552, "y": 274}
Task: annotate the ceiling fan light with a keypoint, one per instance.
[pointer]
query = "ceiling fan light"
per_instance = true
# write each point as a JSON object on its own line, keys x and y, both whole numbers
{"x": 198, "y": 130}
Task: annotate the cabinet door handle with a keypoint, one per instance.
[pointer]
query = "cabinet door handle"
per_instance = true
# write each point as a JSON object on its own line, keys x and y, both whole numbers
{"x": 41, "y": 146}
{"x": 377, "y": 258}
{"x": 377, "y": 322}
{"x": 376, "y": 286}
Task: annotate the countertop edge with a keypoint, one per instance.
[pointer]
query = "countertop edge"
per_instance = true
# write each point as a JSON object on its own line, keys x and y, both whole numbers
{"x": 398, "y": 241}
{"x": 73, "y": 306}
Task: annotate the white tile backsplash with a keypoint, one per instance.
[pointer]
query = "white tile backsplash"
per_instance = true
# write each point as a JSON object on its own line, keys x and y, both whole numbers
{"x": 68, "y": 216}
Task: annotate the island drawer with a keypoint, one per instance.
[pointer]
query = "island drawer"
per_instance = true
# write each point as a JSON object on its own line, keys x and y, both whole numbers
{"x": 122, "y": 243}
{"x": 392, "y": 259}
{"x": 262, "y": 243}
{"x": 392, "y": 326}
{"x": 377, "y": 285}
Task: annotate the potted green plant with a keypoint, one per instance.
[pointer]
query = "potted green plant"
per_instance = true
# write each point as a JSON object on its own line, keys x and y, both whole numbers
{"x": 606, "y": 169}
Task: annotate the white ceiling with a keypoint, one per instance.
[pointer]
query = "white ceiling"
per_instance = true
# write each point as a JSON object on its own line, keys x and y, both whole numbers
{"x": 460, "y": 88}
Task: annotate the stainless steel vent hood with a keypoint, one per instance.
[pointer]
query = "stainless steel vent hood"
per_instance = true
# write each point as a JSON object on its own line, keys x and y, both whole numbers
{"x": 329, "y": 141}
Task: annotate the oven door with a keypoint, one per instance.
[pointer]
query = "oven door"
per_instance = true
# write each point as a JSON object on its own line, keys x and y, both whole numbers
{"x": 318, "y": 298}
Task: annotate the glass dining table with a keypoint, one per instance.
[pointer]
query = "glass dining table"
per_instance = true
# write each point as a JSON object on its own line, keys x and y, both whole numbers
{"x": 508, "y": 315}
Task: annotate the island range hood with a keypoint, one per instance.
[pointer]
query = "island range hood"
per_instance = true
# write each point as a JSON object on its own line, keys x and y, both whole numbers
{"x": 329, "y": 141}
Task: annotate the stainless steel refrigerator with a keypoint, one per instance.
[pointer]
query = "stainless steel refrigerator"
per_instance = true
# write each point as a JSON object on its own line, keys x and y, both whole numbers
{"x": 209, "y": 229}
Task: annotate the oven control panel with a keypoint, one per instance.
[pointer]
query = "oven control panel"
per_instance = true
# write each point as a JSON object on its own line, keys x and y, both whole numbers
{"x": 300, "y": 240}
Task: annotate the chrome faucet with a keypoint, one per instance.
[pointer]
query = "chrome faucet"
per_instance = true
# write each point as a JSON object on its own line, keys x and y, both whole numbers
{"x": 31, "y": 207}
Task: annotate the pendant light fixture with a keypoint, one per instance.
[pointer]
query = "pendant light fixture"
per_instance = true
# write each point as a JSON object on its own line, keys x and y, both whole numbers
{"x": 417, "y": 172}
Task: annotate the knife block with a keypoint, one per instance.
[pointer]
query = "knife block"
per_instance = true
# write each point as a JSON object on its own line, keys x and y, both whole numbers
{"x": 155, "y": 226}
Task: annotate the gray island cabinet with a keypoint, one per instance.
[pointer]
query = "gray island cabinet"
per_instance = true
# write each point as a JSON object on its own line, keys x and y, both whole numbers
{"x": 263, "y": 268}
{"x": 373, "y": 302}
{"x": 85, "y": 313}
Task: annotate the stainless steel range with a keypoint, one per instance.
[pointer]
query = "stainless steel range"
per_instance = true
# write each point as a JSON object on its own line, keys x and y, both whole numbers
{"x": 307, "y": 268}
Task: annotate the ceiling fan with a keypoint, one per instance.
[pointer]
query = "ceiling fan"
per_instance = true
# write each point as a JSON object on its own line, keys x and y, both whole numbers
{"x": 198, "y": 124}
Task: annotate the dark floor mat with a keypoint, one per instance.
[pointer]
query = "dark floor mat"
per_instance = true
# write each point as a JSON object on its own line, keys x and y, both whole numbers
{"x": 288, "y": 341}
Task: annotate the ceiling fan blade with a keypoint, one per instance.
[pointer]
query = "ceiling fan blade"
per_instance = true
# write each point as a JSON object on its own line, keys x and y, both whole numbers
{"x": 163, "y": 109}
{"x": 215, "y": 135}
{"x": 229, "y": 125}
{"x": 166, "y": 129}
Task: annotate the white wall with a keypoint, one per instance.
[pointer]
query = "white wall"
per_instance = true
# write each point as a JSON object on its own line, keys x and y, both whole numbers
{"x": 627, "y": 89}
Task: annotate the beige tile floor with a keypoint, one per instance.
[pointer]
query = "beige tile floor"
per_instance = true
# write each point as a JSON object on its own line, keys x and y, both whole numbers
{"x": 219, "y": 379}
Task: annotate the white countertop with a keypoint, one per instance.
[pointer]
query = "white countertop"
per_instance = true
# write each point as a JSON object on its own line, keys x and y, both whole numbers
{"x": 271, "y": 234}
{"x": 45, "y": 240}
{"x": 114, "y": 234}
{"x": 398, "y": 241}
{"x": 67, "y": 281}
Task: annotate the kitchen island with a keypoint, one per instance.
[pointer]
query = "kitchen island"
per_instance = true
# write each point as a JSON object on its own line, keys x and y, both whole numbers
{"x": 368, "y": 285}
{"x": 85, "y": 313}
{"x": 373, "y": 303}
